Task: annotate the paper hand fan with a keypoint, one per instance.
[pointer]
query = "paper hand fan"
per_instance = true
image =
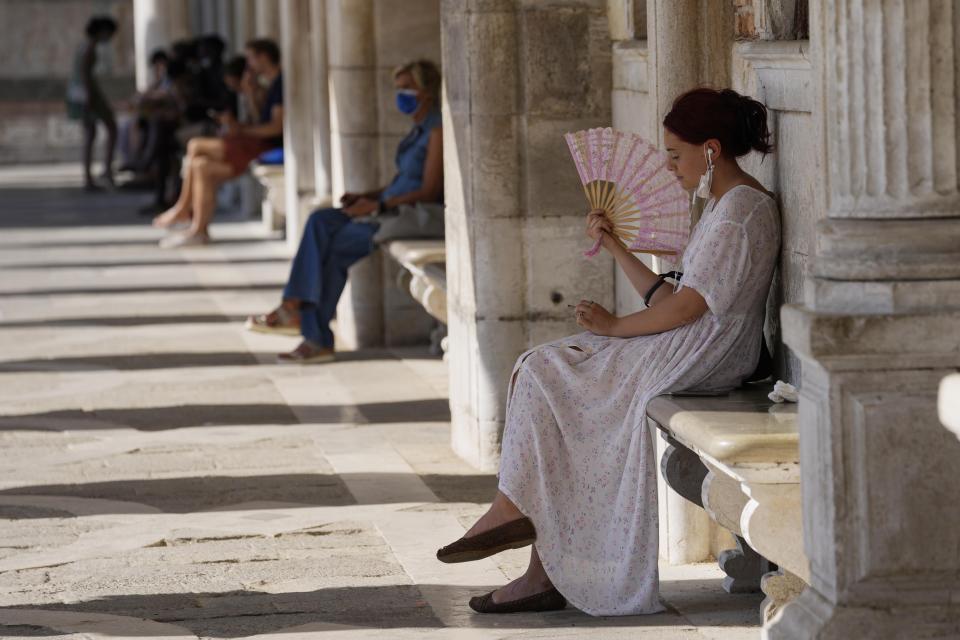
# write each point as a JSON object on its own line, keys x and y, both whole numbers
{"x": 627, "y": 177}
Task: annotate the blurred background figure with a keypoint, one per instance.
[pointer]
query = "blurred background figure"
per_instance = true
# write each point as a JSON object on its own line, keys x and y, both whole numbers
{"x": 210, "y": 161}
{"x": 86, "y": 100}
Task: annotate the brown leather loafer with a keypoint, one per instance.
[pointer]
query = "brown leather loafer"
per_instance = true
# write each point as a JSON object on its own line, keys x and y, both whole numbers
{"x": 511, "y": 535}
{"x": 549, "y": 600}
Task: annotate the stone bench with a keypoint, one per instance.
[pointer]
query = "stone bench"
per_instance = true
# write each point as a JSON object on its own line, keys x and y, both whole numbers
{"x": 391, "y": 301}
{"x": 425, "y": 276}
{"x": 737, "y": 457}
{"x": 274, "y": 208}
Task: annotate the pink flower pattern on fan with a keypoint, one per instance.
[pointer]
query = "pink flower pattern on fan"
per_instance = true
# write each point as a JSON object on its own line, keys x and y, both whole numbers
{"x": 628, "y": 177}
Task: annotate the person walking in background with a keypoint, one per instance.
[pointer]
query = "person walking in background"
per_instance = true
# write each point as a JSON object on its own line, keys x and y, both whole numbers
{"x": 87, "y": 102}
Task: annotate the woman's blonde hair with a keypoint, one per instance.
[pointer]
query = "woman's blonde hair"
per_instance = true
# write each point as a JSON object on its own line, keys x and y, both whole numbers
{"x": 425, "y": 74}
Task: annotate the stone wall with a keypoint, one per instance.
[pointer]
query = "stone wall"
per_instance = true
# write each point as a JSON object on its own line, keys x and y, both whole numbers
{"x": 771, "y": 19}
{"x": 779, "y": 74}
{"x": 37, "y": 49}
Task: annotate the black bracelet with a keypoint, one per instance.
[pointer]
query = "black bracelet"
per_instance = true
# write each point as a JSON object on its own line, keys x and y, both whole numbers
{"x": 676, "y": 275}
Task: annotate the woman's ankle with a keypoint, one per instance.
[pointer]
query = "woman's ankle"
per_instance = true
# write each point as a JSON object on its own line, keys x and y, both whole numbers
{"x": 538, "y": 579}
{"x": 505, "y": 508}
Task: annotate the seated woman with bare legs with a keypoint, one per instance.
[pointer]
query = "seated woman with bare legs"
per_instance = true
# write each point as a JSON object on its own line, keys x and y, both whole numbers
{"x": 212, "y": 161}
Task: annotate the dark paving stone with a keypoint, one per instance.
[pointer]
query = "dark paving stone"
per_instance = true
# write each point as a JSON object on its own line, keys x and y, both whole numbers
{"x": 176, "y": 417}
{"x": 188, "y": 494}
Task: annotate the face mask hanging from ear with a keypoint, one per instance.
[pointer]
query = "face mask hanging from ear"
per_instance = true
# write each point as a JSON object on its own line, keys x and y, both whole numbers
{"x": 706, "y": 180}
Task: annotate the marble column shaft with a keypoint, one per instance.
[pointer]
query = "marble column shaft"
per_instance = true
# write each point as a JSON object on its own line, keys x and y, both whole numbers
{"x": 156, "y": 24}
{"x": 514, "y": 203}
{"x": 267, "y": 19}
{"x": 880, "y": 327}
{"x": 244, "y": 22}
{"x": 354, "y": 155}
{"x": 321, "y": 100}
{"x": 298, "y": 88}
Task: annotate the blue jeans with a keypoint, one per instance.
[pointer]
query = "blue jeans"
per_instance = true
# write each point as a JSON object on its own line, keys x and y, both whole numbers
{"x": 331, "y": 243}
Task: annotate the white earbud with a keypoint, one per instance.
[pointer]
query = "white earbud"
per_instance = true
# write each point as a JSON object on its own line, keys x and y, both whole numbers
{"x": 706, "y": 180}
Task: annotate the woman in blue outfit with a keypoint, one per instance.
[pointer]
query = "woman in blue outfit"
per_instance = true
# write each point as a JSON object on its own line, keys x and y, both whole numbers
{"x": 336, "y": 238}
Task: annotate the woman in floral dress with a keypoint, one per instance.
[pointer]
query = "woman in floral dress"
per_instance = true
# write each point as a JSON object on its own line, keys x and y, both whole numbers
{"x": 577, "y": 474}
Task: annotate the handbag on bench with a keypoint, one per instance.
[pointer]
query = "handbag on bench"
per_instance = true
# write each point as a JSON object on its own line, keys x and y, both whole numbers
{"x": 421, "y": 221}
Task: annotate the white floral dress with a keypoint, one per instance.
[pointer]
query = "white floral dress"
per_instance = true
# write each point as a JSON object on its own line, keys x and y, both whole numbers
{"x": 577, "y": 456}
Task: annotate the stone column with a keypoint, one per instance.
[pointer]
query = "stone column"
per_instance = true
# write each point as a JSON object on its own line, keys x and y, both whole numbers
{"x": 354, "y": 155}
{"x": 244, "y": 22}
{"x": 156, "y": 23}
{"x": 298, "y": 88}
{"x": 353, "y": 90}
{"x": 224, "y": 22}
{"x": 205, "y": 15}
{"x": 321, "y": 102}
{"x": 514, "y": 203}
{"x": 689, "y": 45}
{"x": 268, "y": 19}
{"x": 880, "y": 328}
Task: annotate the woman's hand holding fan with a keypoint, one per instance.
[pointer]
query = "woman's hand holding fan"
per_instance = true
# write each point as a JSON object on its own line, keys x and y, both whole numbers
{"x": 597, "y": 225}
{"x": 627, "y": 179}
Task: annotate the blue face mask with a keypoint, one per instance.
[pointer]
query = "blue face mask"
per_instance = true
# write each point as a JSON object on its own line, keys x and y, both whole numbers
{"x": 407, "y": 101}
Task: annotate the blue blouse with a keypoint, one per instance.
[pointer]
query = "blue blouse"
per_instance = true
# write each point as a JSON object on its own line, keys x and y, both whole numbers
{"x": 411, "y": 157}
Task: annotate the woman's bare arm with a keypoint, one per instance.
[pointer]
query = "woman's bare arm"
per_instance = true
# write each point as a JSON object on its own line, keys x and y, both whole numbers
{"x": 672, "y": 311}
{"x": 639, "y": 275}
{"x": 270, "y": 129}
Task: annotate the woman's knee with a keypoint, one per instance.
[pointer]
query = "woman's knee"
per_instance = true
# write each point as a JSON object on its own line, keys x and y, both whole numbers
{"x": 200, "y": 167}
{"x": 321, "y": 217}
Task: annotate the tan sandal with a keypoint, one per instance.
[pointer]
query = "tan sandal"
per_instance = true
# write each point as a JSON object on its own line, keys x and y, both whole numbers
{"x": 307, "y": 353}
{"x": 281, "y": 321}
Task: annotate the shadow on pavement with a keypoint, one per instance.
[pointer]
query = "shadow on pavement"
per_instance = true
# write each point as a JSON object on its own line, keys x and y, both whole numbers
{"x": 133, "y": 362}
{"x": 146, "y": 289}
{"x": 141, "y": 263}
{"x": 242, "y": 493}
{"x": 193, "y": 415}
{"x": 121, "y": 321}
{"x": 150, "y": 361}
